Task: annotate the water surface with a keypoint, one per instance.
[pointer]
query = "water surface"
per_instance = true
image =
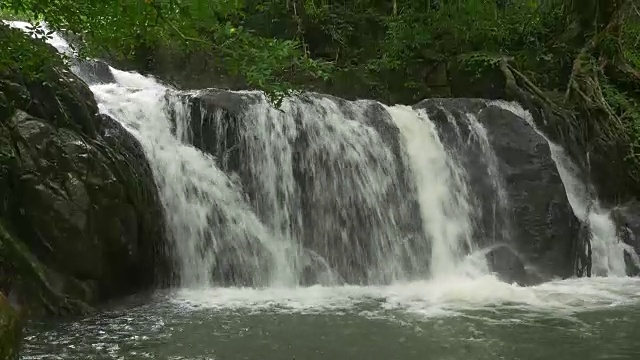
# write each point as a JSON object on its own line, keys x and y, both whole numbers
{"x": 464, "y": 319}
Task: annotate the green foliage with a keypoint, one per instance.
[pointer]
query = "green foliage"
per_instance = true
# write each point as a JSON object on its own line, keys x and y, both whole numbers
{"x": 389, "y": 52}
{"x": 122, "y": 28}
{"x": 627, "y": 108}
{"x": 21, "y": 54}
{"x": 375, "y": 48}
{"x": 631, "y": 37}
{"x": 478, "y": 63}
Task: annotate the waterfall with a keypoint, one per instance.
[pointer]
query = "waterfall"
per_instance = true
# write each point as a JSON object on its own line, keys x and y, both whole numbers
{"x": 324, "y": 190}
{"x": 210, "y": 223}
{"x": 442, "y": 190}
{"x": 607, "y": 249}
{"x": 320, "y": 191}
{"x": 322, "y": 178}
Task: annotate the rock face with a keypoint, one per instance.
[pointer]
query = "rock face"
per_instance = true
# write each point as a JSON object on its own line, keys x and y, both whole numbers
{"x": 10, "y": 333}
{"x": 93, "y": 71}
{"x": 80, "y": 216}
{"x": 538, "y": 219}
{"x": 508, "y": 265}
{"x": 627, "y": 220}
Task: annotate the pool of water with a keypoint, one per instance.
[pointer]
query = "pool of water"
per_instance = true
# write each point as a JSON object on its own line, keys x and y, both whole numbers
{"x": 454, "y": 319}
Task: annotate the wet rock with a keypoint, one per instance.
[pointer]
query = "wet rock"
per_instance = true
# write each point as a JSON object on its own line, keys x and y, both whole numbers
{"x": 505, "y": 262}
{"x": 94, "y": 71}
{"x": 10, "y": 332}
{"x": 80, "y": 216}
{"x": 316, "y": 270}
{"x": 627, "y": 220}
{"x": 213, "y": 124}
{"x": 248, "y": 266}
{"x": 537, "y": 219}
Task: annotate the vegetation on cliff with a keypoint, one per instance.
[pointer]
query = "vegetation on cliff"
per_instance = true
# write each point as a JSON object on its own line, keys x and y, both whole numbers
{"x": 131, "y": 28}
{"x": 574, "y": 60}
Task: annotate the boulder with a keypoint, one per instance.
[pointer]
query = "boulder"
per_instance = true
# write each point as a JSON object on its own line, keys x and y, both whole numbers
{"x": 80, "y": 216}
{"x": 506, "y": 263}
{"x": 536, "y": 218}
{"x": 315, "y": 270}
{"x": 93, "y": 71}
{"x": 627, "y": 220}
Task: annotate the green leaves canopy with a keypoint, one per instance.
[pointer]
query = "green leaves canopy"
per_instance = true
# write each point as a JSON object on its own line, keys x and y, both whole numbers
{"x": 119, "y": 28}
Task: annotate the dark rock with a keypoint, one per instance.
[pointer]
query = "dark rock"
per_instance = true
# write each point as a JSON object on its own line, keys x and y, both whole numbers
{"x": 537, "y": 220}
{"x": 214, "y": 124}
{"x": 94, "y": 71}
{"x": 10, "y": 332}
{"x": 315, "y": 270}
{"x": 627, "y": 220}
{"x": 505, "y": 262}
{"x": 80, "y": 216}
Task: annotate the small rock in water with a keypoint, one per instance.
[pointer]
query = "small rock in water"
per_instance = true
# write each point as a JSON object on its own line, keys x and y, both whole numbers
{"x": 506, "y": 263}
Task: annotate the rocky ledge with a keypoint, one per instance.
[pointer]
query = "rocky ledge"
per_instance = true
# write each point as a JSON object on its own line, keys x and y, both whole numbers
{"x": 80, "y": 217}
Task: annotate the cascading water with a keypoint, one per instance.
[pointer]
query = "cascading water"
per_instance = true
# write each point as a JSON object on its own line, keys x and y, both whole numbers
{"x": 607, "y": 249}
{"x": 442, "y": 191}
{"x": 325, "y": 199}
{"x": 210, "y": 222}
{"x": 323, "y": 179}
{"x": 321, "y": 186}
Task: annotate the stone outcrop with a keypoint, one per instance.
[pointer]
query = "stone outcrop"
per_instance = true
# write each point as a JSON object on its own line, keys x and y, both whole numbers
{"x": 80, "y": 216}
{"x": 538, "y": 219}
{"x": 627, "y": 220}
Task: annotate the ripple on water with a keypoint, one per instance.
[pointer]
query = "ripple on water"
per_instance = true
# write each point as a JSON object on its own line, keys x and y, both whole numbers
{"x": 451, "y": 318}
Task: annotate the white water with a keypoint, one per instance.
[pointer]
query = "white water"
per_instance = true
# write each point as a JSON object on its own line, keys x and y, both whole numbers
{"x": 54, "y": 39}
{"x": 348, "y": 170}
{"x": 448, "y": 296}
{"x": 190, "y": 183}
{"x": 608, "y": 250}
{"x": 442, "y": 191}
{"x": 202, "y": 203}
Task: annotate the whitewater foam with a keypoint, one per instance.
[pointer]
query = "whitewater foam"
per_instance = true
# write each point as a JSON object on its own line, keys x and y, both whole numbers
{"x": 446, "y": 296}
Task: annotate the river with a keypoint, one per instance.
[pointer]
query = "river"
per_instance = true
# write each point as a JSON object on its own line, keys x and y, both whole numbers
{"x": 480, "y": 319}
